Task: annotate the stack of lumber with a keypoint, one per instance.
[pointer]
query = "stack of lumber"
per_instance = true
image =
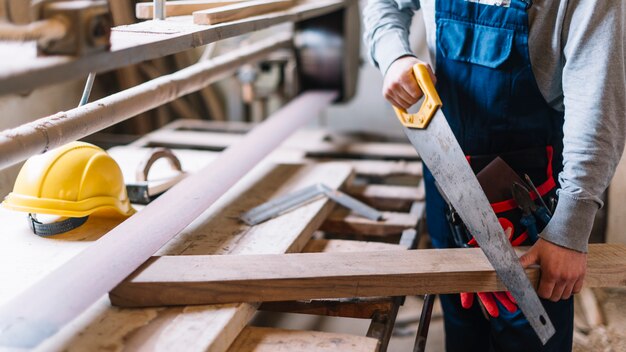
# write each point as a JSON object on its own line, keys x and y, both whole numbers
{"x": 209, "y": 12}
{"x": 218, "y": 231}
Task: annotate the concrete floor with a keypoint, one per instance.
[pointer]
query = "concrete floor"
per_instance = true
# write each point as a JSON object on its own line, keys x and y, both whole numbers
{"x": 403, "y": 337}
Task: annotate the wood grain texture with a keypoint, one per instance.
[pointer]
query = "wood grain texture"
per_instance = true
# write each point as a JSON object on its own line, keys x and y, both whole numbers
{"x": 388, "y": 197}
{"x": 145, "y": 10}
{"x": 176, "y": 280}
{"x": 239, "y": 11}
{"x": 344, "y": 221}
{"x": 257, "y": 339}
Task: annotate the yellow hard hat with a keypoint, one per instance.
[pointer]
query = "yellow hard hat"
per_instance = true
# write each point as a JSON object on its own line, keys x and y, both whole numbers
{"x": 75, "y": 180}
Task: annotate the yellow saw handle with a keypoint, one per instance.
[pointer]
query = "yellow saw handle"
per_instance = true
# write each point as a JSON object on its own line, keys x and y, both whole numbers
{"x": 429, "y": 107}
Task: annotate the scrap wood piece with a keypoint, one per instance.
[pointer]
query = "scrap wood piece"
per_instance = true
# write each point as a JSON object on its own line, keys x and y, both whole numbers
{"x": 257, "y": 339}
{"x": 346, "y": 222}
{"x": 364, "y": 150}
{"x": 239, "y": 11}
{"x": 145, "y": 10}
{"x": 177, "y": 280}
{"x": 388, "y": 197}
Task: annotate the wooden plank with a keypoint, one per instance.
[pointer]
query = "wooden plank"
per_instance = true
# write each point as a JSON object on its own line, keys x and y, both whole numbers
{"x": 388, "y": 197}
{"x": 218, "y": 231}
{"x": 239, "y": 11}
{"x": 386, "y": 169}
{"x": 364, "y": 150}
{"x": 23, "y": 70}
{"x": 344, "y": 221}
{"x": 257, "y": 339}
{"x": 358, "y": 308}
{"x": 145, "y": 10}
{"x": 176, "y": 280}
{"x": 339, "y": 246}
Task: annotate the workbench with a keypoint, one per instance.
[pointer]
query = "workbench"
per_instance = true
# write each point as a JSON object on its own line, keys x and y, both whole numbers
{"x": 26, "y": 258}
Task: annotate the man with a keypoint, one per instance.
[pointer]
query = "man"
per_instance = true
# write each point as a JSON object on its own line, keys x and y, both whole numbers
{"x": 518, "y": 77}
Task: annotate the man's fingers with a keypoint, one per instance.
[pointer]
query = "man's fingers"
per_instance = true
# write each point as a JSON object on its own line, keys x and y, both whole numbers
{"x": 546, "y": 286}
{"x": 557, "y": 291}
{"x": 567, "y": 292}
{"x": 406, "y": 97}
{"x": 529, "y": 258}
{"x": 411, "y": 87}
{"x": 578, "y": 286}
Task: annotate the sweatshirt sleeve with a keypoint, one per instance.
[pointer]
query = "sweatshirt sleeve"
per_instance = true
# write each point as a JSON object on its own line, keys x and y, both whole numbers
{"x": 594, "y": 98}
{"x": 386, "y": 34}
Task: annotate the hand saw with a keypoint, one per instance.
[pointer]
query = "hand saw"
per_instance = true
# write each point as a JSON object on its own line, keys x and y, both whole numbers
{"x": 431, "y": 135}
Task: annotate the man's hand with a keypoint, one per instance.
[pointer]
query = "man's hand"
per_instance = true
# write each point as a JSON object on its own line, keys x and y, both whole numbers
{"x": 562, "y": 269}
{"x": 400, "y": 87}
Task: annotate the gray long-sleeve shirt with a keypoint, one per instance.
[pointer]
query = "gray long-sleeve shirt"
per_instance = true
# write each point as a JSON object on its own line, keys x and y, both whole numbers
{"x": 577, "y": 53}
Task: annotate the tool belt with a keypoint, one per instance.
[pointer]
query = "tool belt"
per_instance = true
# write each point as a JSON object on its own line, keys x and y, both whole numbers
{"x": 497, "y": 174}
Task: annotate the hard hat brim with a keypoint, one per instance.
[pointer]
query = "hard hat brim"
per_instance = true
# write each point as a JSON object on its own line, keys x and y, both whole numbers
{"x": 28, "y": 204}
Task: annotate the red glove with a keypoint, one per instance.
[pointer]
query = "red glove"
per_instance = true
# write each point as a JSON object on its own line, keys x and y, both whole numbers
{"x": 488, "y": 299}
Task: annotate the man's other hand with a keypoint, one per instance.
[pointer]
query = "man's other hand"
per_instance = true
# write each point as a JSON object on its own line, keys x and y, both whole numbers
{"x": 400, "y": 87}
{"x": 562, "y": 269}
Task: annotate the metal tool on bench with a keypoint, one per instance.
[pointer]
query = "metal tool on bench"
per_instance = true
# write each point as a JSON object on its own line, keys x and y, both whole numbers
{"x": 144, "y": 191}
{"x": 433, "y": 139}
{"x": 280, "y": 205}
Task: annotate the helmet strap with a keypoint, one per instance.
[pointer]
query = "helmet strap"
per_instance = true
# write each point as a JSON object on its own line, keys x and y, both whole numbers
{"x": 55, "y": 228}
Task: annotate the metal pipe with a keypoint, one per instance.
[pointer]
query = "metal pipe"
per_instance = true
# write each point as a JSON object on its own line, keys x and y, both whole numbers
{"x": 32, "y": 316}
{"x": 53, "y": 131}
{"x": 159, "y": 9}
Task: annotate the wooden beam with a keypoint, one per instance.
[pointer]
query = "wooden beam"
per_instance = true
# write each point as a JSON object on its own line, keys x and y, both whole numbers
{"x": 343, "y": 221}
{"x": 388, "y": 197}
{"x": 222, "y": 279}
{"x": 359, "y": 308}
{"x": 364, "y": 150}
{"x": 23, "y": 70}
{"x": 257, "y": 339}
{"x": 239, "y": 11}
{"x": 145, "y": 10}
{"x": 30, "y": 318}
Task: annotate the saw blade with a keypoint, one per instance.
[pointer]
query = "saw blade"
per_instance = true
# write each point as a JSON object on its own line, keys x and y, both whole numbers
{"x": 442, "y": 154}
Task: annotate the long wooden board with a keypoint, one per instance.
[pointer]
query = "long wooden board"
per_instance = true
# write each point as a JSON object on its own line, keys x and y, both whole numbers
{"x": 145, "y": 10}
{"x": 239, "y": 11}
{"x": 256, "y": 339}
{"x": 23, "y": 71}
{"x": 343, "y": 221}
{"x": 221, "y": 279}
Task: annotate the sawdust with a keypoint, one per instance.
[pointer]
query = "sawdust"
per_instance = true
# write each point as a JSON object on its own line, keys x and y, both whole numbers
{"x": 610, "y": 337}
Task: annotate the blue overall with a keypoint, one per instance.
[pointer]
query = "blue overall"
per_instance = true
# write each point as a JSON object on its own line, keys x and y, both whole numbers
{"x": 493, "y": 105}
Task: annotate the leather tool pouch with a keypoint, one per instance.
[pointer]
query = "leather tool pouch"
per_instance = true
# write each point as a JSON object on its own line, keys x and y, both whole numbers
{"x": 496, "y": 175}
